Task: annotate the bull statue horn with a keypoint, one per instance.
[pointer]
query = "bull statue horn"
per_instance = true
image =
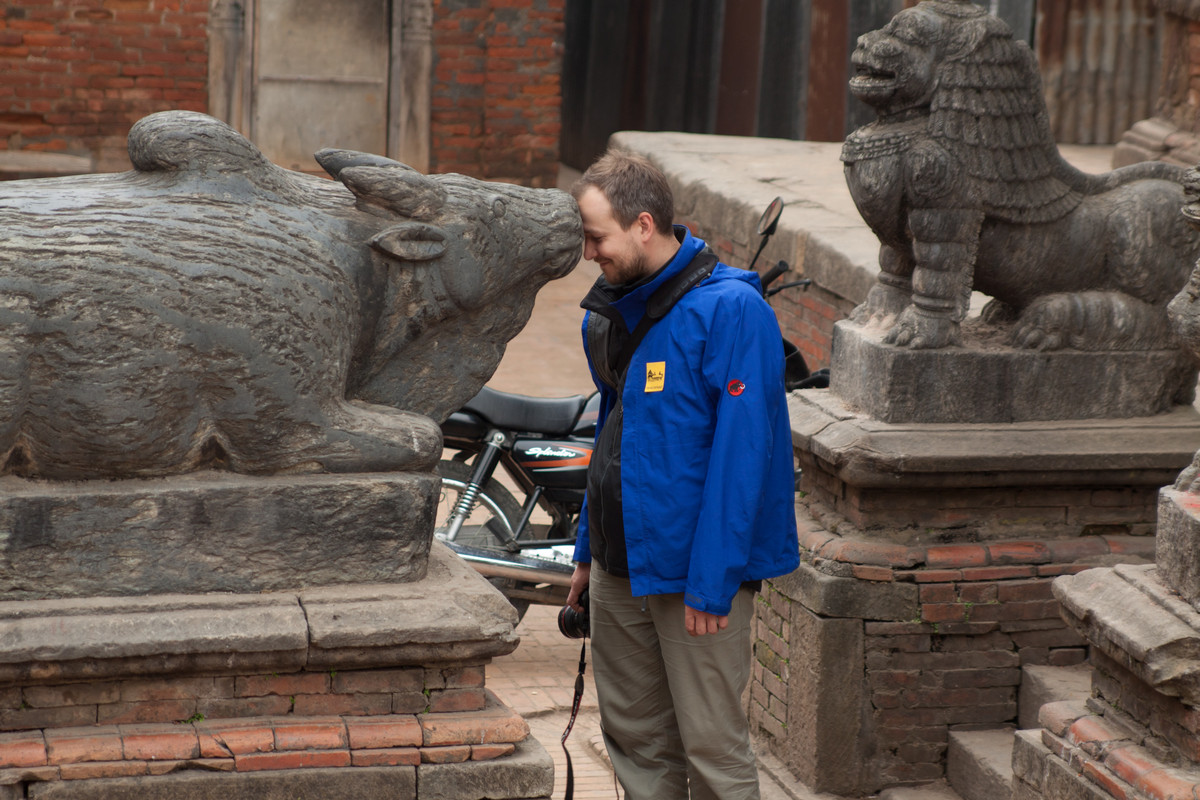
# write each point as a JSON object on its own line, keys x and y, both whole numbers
{"x": 407, "y": 193}
{"x": 334, "y": 160}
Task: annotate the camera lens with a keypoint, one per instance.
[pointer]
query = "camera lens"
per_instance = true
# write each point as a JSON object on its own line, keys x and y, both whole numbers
{"x": 575, "y": 624}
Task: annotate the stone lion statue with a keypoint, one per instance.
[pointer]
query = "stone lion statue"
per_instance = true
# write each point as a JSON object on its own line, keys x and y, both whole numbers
{"x": 961, "y": 180}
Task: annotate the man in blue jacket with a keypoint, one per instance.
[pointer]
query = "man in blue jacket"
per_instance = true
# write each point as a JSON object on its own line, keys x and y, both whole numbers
{"x": 690, "y": 498}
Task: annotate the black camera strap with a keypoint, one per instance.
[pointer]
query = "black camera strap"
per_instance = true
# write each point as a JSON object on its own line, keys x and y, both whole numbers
{"x": 570, "y": 792}
{"x": 575, "y": 709}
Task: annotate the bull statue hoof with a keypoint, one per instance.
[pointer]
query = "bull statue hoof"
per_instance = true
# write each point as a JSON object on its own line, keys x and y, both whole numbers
{"x": 210, "y": 309}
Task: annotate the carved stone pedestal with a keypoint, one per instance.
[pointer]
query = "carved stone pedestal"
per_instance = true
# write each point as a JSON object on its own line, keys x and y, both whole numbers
{"x": 327, "y": 687}
{"x": 932, "y": 484}
{"x": 929, "y": 552}
{"x": 986, "y": 380}
{"x": 212, "y": 532}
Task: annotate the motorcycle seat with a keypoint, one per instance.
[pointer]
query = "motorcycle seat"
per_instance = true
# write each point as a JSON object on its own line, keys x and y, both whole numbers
{"x": 551, "y": 415}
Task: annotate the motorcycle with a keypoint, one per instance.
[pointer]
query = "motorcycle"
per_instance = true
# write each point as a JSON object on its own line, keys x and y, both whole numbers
{"x": 544, "y": 446}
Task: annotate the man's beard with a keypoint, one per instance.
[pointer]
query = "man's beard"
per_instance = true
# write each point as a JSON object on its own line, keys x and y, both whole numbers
{"x": 632, "y": 272}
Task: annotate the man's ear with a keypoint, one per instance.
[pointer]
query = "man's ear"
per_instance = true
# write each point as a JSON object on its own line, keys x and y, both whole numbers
{"x": 645, "y": 226}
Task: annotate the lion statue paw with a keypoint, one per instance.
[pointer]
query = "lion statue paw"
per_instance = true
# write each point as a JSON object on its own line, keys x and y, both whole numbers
{"x": 920, "y": 331}
{"x": 1091, "y": 321}
{"x": 883, "y": 306}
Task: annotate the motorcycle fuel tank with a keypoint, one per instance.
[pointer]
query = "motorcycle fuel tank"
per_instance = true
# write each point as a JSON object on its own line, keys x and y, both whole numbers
{"x": 554, "y": 463}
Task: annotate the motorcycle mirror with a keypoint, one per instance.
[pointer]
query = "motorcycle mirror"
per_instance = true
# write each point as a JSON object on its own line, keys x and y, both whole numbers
{"x": 770, "y": 218}
{"x": 766, "y": 227}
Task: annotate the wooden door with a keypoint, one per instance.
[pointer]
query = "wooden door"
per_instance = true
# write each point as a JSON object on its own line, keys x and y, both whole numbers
{"x": 320, "y": 78}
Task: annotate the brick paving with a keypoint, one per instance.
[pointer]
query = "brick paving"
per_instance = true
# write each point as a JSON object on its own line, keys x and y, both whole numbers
{"x": 537, "y": 680}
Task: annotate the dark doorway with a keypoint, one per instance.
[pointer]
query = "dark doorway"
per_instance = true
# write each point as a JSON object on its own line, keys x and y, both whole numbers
{"x": 779, "y": 68}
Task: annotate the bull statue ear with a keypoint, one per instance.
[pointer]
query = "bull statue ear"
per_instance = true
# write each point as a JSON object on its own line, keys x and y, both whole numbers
{"x": 407, "y": 193}
{"x": 334, "y": 160}
{"x": 411, "y": 241}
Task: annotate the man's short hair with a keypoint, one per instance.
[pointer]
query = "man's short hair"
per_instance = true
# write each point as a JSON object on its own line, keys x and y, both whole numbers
{"x": 631, "y": 184}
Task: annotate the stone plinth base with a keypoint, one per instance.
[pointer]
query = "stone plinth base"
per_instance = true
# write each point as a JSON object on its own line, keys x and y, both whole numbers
{"x": 212, "y": 532}
{"x": 929, "y": 553}
{"x": 1139, "y": 735}
{"x": 923, "y": 482}
{"x": 218, "y": 695}
{"x": 987, "y": 381}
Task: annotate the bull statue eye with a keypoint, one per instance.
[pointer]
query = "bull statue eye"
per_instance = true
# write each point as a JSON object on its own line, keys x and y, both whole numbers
{"x": 498, "y": 208}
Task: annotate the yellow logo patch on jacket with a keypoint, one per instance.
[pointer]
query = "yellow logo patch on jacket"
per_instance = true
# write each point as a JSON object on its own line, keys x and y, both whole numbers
{"x": 656, "y": 375}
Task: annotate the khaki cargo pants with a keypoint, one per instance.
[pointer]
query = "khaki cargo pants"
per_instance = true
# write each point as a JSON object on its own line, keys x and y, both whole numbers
{"x": 671, "y": 704}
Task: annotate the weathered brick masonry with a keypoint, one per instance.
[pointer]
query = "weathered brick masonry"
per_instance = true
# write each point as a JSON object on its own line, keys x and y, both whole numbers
{"x": 1095, "y": 751}
{"x": 940, "y": 631}
{"x": 497, "y": 89}
{"x": 248, "y": 723}
{"x": 75, "y": 75}
{"x": 252, "y": 744}
{"x": 409, "y": 690}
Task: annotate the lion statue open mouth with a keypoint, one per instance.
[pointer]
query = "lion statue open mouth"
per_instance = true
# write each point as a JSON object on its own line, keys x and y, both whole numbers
{"x": 961, "y": 180}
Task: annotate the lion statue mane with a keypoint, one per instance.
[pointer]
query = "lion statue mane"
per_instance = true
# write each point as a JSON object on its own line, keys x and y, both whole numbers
{"x": 961, "y": 180}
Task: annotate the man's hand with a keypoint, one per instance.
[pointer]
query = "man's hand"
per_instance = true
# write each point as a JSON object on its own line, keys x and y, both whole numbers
{"x": 579, "y": 581}
{"x": 698, "y": 623}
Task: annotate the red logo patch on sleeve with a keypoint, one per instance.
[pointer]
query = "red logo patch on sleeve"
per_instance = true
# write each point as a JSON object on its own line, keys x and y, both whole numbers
{"x": 735, "y": 387}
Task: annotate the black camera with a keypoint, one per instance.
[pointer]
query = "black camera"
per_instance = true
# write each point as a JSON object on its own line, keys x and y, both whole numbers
{"x": 575, "y": 624}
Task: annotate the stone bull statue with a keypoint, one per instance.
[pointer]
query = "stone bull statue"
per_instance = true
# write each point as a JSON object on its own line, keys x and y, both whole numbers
{"x": 210, "y": 309}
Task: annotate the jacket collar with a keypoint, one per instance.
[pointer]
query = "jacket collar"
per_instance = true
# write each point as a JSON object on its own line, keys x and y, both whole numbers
{"x": 629, "y": 301}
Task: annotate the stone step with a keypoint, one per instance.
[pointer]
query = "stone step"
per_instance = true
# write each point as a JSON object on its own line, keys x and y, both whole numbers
{"x": 1041, "y": 685}
{"x": 939, "y": 790}
{"x": 979, "y": 763}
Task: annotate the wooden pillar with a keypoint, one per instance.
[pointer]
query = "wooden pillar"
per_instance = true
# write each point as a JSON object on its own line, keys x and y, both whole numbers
{"x": 738, "y": 84}
{"x": 409, "y": 101}
{"x": 827, "y": 76}
{"x": 227, "y": 62}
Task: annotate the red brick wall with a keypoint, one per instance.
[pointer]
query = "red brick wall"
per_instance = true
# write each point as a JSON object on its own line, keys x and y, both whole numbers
{"x": 76, "y": 74}
{"x": 497, "y": 89}
{"x": 227, "y": 724}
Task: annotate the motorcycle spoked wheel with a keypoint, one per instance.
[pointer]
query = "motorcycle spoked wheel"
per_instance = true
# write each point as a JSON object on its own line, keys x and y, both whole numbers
{"x": 496, "y": 512}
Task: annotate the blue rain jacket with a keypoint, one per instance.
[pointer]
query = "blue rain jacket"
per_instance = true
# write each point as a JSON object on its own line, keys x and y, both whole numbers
{"x": 708, "y": 494}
